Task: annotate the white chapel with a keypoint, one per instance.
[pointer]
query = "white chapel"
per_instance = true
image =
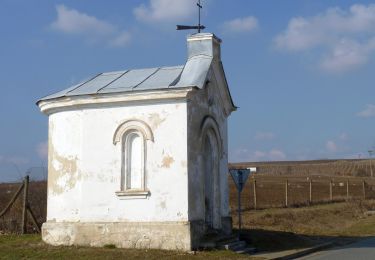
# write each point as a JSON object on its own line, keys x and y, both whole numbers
{"x": 139, "y": 158}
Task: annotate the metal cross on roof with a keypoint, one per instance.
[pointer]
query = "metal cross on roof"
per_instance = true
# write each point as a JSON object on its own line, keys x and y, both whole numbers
{"x": 198, "y": 27}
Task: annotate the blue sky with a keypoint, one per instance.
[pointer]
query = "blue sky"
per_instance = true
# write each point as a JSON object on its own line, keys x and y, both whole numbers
{"x": 301, "y": 72}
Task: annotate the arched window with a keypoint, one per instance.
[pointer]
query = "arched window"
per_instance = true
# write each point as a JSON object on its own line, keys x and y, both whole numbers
{"x": 133, "y": 136}
{"x": 133, "y": 161}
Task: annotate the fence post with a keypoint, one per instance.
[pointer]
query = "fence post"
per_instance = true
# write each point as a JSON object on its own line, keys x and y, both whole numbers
{"x": 364, "y": 189}
{"x": 330, "y": 190}
{"x": 255, "y": 193}
{"x": 2, "y": 213}
{"x": 286, "y": 193}
{"x": 310, "y": 197}
{"x": 25, "y": 204}
{"x": 347, "y": 189}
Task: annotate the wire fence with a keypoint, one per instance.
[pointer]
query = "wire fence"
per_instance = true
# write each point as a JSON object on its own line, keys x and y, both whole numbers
{"x": 261, "y": 192}
{"x": 22, "y": 206}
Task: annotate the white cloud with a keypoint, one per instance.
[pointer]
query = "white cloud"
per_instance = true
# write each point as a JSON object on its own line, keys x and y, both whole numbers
{"x": 121, "y": 40}
{"x": 331, "y": 146}
{"x": 253, "y": 156}
{"x": 345, "y": 37}
{"x": 264, "y": 136}
{"x": 245, "y": 24}
{"x": 369, "y": 111}
{"x": 347, "y": 54}
{"x": 73, "y": 22}
{"x": 165, "y": 10}
{"x": 42, "y": 150}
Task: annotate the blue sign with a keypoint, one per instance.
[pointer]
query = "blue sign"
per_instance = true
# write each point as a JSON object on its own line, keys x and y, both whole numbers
{"x": 239, "y": 177}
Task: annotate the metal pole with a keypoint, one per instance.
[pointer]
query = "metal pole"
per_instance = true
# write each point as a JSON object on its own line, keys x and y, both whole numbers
{"x": 255, "y": 193}
{"x": 239, "y": 214}
{"x": 364, "y": 189}
{"x": 370, "y": 152}
{"x": 240, "y": 182}
{"x": 347, "y": 189}
{"x": 25, "y": 203}
{"x": 330, "y": 191}
{"x": 286, "y": 193}
{"x": 371, "y": 168}
{"x": 199, "y": 15}
{"x": 310, "y": 191}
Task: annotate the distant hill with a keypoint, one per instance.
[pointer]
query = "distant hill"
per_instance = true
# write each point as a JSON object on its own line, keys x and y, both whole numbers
{"x": 339, "y": 167}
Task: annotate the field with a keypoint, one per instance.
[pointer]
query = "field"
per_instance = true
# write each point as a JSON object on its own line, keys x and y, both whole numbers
{"x": 340, "y": 167}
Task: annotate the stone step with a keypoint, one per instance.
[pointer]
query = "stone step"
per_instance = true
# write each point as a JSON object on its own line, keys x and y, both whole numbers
{"x": 246, "y": 250}
{"x": 224, "y": 242}
{"x": 234, "y": 245}
{"x": 213, "y": 241}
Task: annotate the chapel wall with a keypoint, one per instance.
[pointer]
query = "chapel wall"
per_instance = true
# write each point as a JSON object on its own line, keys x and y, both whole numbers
{"x": 205, "y": 102}
{"x": 85, "y": 165}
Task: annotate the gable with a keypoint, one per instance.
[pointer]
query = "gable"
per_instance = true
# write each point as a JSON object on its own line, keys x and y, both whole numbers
{"x": 217, "y": 75}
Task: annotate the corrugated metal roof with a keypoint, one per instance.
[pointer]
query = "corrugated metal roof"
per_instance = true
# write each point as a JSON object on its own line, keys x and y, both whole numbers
{"x": 192, "y": 74}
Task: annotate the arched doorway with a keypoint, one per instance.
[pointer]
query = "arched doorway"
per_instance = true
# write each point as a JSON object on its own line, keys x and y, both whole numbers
{"x": 211, "y": 181}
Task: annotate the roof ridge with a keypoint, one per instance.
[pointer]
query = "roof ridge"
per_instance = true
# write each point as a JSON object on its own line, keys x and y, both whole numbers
{"x": 146, "y": 78}
{"x": 122, "y": 74}
{"x": 80, "y": 85}
{"x": 147, "y": 68}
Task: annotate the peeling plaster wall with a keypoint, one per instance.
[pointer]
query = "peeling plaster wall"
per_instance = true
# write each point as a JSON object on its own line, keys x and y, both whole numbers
{"x": 206, "y": 102}
{"x": 85, "y": 165}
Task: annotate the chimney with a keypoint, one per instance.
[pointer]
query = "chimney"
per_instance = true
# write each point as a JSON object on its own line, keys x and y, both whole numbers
{"x": 203, "y": 44}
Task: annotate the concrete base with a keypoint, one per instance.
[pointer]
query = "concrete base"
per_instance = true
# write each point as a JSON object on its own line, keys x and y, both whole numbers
{"x": 182, "y": 236}
{"x": 167, "y": 235}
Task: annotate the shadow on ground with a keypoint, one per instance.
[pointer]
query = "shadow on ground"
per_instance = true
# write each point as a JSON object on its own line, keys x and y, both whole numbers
{"x": 272, "y": 241}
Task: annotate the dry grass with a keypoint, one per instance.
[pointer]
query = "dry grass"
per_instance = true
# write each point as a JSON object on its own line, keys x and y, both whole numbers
{"x": 275, "y": 229}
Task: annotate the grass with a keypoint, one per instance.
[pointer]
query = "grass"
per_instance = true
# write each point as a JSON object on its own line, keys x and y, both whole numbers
{"x": 32, "y": 247}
